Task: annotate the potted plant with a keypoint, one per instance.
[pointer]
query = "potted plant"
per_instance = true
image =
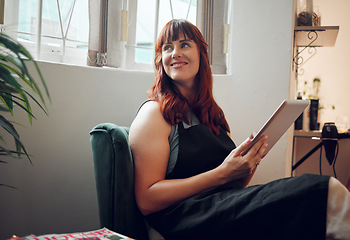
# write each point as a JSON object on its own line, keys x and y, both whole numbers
{"x": 17, "y": 89}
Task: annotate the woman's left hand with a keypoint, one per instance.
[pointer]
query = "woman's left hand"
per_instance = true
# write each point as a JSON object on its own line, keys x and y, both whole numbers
{"x": 237, "y": 167}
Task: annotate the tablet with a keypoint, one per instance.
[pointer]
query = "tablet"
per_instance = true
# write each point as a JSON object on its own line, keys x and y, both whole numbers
{"x": 284, "y": 116}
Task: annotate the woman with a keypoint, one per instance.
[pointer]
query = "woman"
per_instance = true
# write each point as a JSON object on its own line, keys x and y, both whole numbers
{"x": 190, "y": 178}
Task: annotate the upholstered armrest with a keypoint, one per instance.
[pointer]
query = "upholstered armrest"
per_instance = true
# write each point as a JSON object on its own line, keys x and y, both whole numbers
{"x": 114, "y": 175}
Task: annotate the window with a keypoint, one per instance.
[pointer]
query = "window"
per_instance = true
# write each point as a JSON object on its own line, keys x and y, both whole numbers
{"x": 211, "y": 17}
{"x": 64, "y": 28}
{"x": 146, "y": 32}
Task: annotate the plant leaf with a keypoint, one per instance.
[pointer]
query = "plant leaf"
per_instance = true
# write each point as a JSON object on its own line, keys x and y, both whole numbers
{"x": 17, "y": 73}
{"x": 18, "y": 50}
{"x": 15, "y": 83}
{"x": 4, "y": 109}
{"x": 5, "y": 185}
{"x": 25, "y": 108}
{"x": 42, "y": 81}
{"x": 11, "y": 129}
{"x": 6, "y": 75}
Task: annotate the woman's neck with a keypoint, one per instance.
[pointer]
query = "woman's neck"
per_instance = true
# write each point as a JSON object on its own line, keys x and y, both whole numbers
{"x": 187, "y": 92}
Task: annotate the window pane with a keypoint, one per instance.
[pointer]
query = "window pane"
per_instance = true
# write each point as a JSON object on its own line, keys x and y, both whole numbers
{"x": 180, "y": 8}
{"x": 145, "y": 22}
{"x": 76, "y": 31}
{"x": 50, "y": 20}
{"x": 27, "y": 18}
{"x": 144, "y": 55}
{"x": 79, "y": 25}
{"x": 144, "y": 30}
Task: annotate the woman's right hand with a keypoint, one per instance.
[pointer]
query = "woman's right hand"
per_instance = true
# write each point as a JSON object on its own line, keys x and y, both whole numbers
{"x": 236, "y": 166}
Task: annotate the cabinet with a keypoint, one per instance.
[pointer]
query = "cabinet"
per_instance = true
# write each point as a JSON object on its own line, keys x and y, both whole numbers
{"x": 306, "y": 141}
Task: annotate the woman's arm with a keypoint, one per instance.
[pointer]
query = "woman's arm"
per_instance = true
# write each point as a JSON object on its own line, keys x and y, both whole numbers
{"x": 150, "y": 147}
{"x": 148, "y": 140}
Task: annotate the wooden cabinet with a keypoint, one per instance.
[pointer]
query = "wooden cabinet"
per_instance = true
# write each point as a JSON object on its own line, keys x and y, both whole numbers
{"x": 306, "y": 141}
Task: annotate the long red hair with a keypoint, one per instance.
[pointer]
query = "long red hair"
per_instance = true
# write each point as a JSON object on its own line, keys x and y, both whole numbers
{"x": 174, "y": 105}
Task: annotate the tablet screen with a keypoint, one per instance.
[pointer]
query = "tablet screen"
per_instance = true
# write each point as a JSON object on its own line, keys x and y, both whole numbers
{"x": 279, "y": 122}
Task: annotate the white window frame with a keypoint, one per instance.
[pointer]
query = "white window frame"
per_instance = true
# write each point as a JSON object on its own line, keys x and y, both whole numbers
{"x": 10, "y": 18}
{"x": 44, "y": 52}
{"x": 220, "y": 60}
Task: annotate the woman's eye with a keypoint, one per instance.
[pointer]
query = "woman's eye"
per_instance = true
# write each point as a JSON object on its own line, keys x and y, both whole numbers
{"x": 185, "y": 45}
{"x": 167, "y": 48}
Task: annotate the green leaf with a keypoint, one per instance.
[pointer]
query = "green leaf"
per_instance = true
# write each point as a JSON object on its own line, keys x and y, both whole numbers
{"x": 9, "y": 43}
{"x": 42, "y": 108}
{"x": 28, "y": 79}
{"x": 42, "y": 81}
{"x": 11, "y": 129}
{"x": 27, "y": 107}
{"x": 5, "y": 185}
{"x": 6, "y": 75}
{"x": 24, "y": 107}
{"x": 17, "y": 87}
{"x": 3, "y": 109}
{"x": 16, "y": 48}
{"x": 10, "y": 153}
{"x": 6, "y": 88}
{"x": 7, "y": 103}
{"x": 14, "y": 60}
{"x": 16, "y": 73}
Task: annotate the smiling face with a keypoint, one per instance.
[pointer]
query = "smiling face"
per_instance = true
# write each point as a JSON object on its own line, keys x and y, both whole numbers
{"x": 180, "y": 59}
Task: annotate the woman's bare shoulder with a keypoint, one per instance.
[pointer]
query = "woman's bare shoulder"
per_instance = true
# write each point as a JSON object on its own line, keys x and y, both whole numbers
{"x": 150, "y": 107}
{"x": 149, "y": 113}
{"x": 149, "y": 121}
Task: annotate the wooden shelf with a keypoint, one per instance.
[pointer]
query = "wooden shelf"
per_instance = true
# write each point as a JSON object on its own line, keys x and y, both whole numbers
{"x": 325, "y": 36}
{"x": 310, "y": 134}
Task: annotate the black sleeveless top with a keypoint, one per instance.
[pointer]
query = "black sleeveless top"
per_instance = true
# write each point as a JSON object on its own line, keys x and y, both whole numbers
{"x": 200, "y": 150}
{"x": 289, "y": 208}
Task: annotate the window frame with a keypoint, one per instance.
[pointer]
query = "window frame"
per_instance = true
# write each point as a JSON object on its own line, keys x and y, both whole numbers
{"x": 40, "y": 51}
{"x": 126, "y": 59}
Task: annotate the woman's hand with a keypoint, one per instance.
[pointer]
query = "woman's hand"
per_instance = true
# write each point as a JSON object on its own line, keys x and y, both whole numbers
{"x": 236, "y": 166}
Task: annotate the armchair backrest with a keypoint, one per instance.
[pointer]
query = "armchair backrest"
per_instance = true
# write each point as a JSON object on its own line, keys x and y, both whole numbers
{"x": 114, "y": 175}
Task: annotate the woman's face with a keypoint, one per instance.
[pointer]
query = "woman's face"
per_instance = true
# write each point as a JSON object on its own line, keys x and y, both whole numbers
{"x": 180, "y": 60}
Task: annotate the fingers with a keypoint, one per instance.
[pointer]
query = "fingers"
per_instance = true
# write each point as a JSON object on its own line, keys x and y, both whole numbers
{"x": 248, "y": 162}
{"x": 259, "y": 147}
{"x": 262, "y": 148}
{"x": 253, "y": 150}
{"x": 242, "y": 147}
{"x": 260, "y": 153}
{"x": 252, "y": 135}
{"x": 256, "y": 153}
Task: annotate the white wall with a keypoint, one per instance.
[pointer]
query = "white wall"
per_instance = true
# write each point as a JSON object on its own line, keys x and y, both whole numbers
{"x": 57, "y": 194}
{"x": 262, "y": 34}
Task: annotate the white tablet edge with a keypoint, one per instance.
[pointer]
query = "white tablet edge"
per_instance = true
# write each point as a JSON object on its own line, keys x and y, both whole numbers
{"x": 288, "y": 118}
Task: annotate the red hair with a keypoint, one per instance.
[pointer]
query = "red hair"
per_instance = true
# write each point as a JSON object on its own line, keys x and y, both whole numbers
{"x": 174, "y": 105}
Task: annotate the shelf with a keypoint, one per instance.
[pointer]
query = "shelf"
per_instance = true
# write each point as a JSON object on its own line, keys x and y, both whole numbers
{"x": 310, "y": 134}
{"x": 315, "y": 36}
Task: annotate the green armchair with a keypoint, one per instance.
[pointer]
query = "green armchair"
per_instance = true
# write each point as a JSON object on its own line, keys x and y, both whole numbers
{"x": 114, "y": 175}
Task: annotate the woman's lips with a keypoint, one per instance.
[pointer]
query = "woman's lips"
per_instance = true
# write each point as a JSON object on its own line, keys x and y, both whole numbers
{"x": 178, "y": 64}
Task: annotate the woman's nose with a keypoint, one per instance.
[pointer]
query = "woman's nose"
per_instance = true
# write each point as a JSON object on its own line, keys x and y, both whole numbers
{"x": 177, "y": 52}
